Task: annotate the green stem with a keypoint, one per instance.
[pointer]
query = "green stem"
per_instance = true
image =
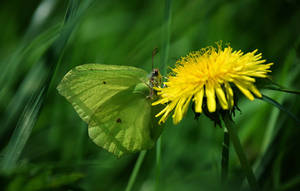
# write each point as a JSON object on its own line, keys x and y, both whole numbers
{"x": 158, "y": 158}
{"x": 240, "y": 152}
{"x": 225, "y": 157}
{"x": 166, "y": 35}
{"x": 135, "y": 171}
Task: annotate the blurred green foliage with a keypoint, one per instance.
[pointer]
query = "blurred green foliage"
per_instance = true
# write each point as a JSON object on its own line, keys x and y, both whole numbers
{"x": 39, "y": 43}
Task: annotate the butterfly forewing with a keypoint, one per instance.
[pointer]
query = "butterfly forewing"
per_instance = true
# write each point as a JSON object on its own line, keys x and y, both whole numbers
{"x": 87, "y": 86}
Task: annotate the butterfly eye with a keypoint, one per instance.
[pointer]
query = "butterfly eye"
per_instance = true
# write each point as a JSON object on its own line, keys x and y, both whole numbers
{"x": 104, "y": 82}
{"x": 155, "y": 72}
{"x": 119, "y": 120}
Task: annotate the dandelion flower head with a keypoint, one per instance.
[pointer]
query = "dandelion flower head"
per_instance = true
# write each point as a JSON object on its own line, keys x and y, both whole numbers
{"x": 208, "y": 76}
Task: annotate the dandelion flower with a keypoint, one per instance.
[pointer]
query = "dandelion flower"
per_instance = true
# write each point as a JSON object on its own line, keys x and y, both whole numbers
{"x": 206, "y": 77}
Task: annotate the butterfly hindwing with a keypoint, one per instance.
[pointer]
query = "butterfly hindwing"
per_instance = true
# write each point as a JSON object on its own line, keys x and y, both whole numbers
{"x": 123, "y": 123}
{"x": 113, "y": 101}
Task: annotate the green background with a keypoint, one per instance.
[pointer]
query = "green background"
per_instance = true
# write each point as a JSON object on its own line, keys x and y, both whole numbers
{"x": 44, "y": 144}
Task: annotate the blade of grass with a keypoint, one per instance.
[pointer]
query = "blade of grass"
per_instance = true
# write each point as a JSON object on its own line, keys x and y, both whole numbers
{"x": 18, "y": 102}
{"x": 286, "y": 76}
{"x": 279, "y": 106}
{"x": 40, "y": 17}
{"x": 157, "y": 163}
{"x": 274, "y": 127}
{"x": 166, "y": 35}
{"x": 284, "y": 90}
{"x": 11, "y": 68}
{"x": 271, "y": 85}
{"x": 135, "y": 171}
{"x": 22, "y": 132}
{"x": 293, "y": 183}
{"x": 33, "y": 108}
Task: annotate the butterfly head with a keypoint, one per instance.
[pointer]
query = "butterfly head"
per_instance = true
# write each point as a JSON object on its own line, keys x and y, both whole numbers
{"x": 156, "y": 78}
{"x": 155, "y": 72}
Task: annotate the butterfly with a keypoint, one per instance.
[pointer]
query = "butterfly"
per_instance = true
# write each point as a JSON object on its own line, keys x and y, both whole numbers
{"x": 115, "y": 102}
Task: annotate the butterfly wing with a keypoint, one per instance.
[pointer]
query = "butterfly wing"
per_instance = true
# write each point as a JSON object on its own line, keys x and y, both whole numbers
{"x": 88, "y": 86}
{"x": 112, "y": 100}
{"x": 123, "y": 123}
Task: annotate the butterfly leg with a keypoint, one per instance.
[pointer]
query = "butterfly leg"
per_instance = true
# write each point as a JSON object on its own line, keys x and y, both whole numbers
{"x": 150, "y": 96}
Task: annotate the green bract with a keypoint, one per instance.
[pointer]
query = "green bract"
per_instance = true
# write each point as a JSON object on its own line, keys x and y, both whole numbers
{"x": 114, "y": 101}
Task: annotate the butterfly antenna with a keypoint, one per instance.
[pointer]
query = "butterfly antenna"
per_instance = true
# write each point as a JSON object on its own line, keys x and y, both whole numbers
{"x": 154, "y": 52}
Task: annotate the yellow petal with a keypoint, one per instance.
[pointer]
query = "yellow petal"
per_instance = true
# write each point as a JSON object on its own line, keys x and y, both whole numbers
{"x": 186, "y": 104}
{"x": 247, "y": 78}
{"x": 167, "y": 111}
{"x": 210, "y": 95}
{"x": 255, "y": 90}
{"x": 164, "y": 117}
{"x": 198, "y": 99}
{"x": 244, "y": 89}
{"x": 162, "y": 111}
{"x": 178, "y": 114}
{"x": 221, "y": 97}
{"x": 229, "y": 95}
{"x": 242, "y": 77}
{"x": 157, "y": 102}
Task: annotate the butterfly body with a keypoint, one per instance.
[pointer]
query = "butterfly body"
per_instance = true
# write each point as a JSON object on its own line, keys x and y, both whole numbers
{"x": 154, "y": 81}
{"x": 113, "y": 100}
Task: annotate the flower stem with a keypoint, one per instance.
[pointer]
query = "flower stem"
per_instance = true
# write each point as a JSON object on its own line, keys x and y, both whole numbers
{"x": 135, "y": 170}
{"x": 157, "y": 168}
{"x": 225, "y": 157}
{"x": 240, "y": 152}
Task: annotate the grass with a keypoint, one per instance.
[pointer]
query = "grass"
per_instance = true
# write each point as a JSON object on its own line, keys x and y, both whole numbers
{"x": 32, "y": 109}
{"x": 45, "y": 146}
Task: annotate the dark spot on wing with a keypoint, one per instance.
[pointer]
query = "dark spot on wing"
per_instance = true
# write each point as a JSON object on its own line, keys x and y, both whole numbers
{"x": 104, "y": 82}
{"x": 119, "y": 120}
